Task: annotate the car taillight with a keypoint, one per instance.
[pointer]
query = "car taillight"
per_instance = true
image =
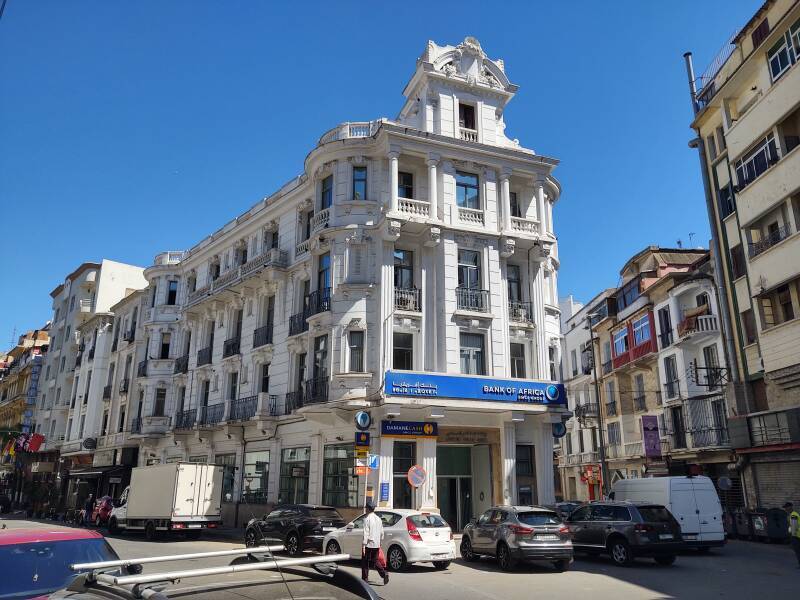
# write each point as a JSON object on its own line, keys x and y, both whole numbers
{"x": 413, "y": 532}
{"x": 563, "y": 529}
{"x": 178, "y": 526}
{"x": 520, "y": 529}
{"x": 212, "y": 525}
{"x": 642, "y": 528}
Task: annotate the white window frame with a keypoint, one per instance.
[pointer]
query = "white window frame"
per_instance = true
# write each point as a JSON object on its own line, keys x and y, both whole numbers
{"x": 349, "y": 355}
{"x": 614, "y": 335}
{"x": 775, "y": 52}
{"x": 642, "y": 322}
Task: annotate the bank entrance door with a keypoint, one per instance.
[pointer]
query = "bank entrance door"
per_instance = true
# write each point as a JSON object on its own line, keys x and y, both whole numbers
{"x": 463, "y": 474}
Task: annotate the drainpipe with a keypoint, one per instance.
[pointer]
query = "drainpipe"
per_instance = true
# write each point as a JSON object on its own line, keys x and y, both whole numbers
{"x": 719, "y": 280}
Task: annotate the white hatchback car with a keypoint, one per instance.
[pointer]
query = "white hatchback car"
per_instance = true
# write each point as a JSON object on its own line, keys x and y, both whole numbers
{"x": 410, "y": 536}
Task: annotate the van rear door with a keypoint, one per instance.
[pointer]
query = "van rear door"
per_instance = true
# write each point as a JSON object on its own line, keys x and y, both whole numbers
{"x": 684, "y": 508}
{"x": 709, "y": 510}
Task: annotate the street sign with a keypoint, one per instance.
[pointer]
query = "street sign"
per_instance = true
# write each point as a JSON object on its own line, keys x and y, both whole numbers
{"x": 362, "y": 452}
{"x": 362, "y": 462}
{"x": 373, "y": 461}
{"x": 384, "y": 491}
{"x": 417, "y": 476}
{"x": 362, "y": 471}
{"x": 362, "y": 438}
{"x": 363, "y": 420}
{"x": 559, "y": 430}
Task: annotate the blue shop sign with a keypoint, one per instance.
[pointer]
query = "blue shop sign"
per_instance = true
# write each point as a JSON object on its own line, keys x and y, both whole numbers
{"x": 409, "y": 428}
{"x": 430, "y": 385}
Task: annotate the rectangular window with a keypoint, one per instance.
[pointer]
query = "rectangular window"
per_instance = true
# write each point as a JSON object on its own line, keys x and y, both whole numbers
{"x": 467, "y": 191}
{"x": 121, "y": 423}
{"x": 293, "y": 488}
{"x": 181, "y": 399}
{"x": 404, "y": 456}
{"x": 757, "y": 161}
{"x": 160, "y": 402}
{"x": 778, "y": 59}
{"x": 514, "y": 283}
{"x": 205, "y": 389}
{"x": 172, "y": 292}
{"x": 551, "y": 356}
{"x": 711, "y": 145}
{"x": 356, "y": 344}
{"x": 611, "y": 392}
{"x": 738, "y": 265}
{"x": 749, "y": 326}
{"x": 166, "y": 338}
{"x": 321, "y": 356}
{"x": 339, "y": 483}
{"x": 326, "y": 194}
{"x": 760, "y": 33}
{"x": 466, "y": 116}
{"x": 228, "y": 462}
{"x": 324, "y": 274}
{"x": 265, "y": 378}
{"x": 359, "y": 183}
{"x": 403, "y": 269}
{"x": 727, "y": 204}
{"x": 104, "y": 427}
{"x": 405, "y": 185}
{"x": 671, "y": 383}
{"x": 469, "y": 269}
{"x": 83, "y": 424}
{"x": 620, "y": 342}
{"x": 641, "y": 330}
{"x": 614, "y": 437}
{"x": 233, "y": 385}
{"x": 472, "y": 354}
{"x": 777, "y": 307}
{"x": 256, "y": 475}
{"x": 515, "y": 209}
{"x": 628, "y": 294}
{"x": 574, "y": 360}
{"x": 403, "y": 356}
{"x": 518, "y": 361}
{"x": 63, "y": 364}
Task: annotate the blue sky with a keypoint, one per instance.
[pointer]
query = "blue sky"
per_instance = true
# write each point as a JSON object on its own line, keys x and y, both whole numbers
{"x": 129, "y": 128}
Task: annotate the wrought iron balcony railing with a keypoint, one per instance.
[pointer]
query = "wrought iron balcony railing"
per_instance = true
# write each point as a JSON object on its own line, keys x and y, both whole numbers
{"x": 407, "y": 299}
{"x": 262, "y": 336}
{"x": 231, "y": 347}
{"x": 204, "y": 356}
{"x": 243, "y": 408}
{"x": 472, "y": 299}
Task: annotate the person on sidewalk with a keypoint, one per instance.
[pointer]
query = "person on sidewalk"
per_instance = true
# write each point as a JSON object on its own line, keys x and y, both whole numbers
{"x": 88, "y": 507}
{"x": 371, "y": 545}
{"x": 794, "y": 529}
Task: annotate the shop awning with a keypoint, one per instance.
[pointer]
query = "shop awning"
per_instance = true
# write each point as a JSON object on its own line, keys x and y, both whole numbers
{"x": 92, "y": 472}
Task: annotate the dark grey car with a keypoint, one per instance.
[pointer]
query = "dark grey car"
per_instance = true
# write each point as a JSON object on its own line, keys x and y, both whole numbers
{"x": 518, "y": 533}
{"x": 626, "y": 530}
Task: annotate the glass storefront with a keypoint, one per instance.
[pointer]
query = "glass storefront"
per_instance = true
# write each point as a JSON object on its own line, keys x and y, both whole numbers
{"x": 404, "y": 457}
{"x": 256, "y": 473}
{"x": 293, "y": 487}
{"x": 339, "y": 483}
{"x": 228, "y": 462}
{"x": 454, "y": 484}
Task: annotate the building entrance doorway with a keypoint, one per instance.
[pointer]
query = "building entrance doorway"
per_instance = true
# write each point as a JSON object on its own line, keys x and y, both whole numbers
{"x": 464, "y": 482}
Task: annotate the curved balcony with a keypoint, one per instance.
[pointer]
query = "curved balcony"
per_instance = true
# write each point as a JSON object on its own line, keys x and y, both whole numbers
{"x": 344, "y": 131}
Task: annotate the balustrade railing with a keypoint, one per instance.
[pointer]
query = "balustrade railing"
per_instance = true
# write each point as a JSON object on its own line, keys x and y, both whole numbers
{"x": 231, "y": 347}
{"x": 407, "y": 299}
{"x": 262, "y": 335}
{"x": 472, "y": 299}
{"x": 204, "y": 356}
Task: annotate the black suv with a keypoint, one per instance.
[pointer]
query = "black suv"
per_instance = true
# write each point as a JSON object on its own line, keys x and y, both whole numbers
{"x": 626, "y": 530}
{"x": 296, "y": 526}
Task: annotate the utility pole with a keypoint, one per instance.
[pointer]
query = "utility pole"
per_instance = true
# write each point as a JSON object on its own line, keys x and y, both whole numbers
{"x": 601, "y": 438}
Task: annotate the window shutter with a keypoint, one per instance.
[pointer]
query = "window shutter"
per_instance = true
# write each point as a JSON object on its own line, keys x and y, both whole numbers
{"x": 760, "y": 33}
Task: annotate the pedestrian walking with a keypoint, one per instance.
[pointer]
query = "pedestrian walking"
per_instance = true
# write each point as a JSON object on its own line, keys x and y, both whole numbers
{"x": 794, "y": 529}
{"x": 371, "y": 545}
{"x": 88, "y": 506}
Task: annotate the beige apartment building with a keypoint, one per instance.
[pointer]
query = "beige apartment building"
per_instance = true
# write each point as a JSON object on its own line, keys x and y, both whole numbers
{"x": 747, "y": 120}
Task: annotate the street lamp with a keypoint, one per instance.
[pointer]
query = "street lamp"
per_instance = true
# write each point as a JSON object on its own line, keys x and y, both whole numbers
{"x": 601, "y": 440}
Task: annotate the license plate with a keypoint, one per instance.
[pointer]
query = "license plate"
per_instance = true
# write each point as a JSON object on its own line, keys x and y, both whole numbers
{"x": 440, "y": 555}
{"x": 546, "y": 537}
{"x": 194, "y": 526}
{"x": 690, "y": 537}
{"x": 665, "y": 536}
{"x": 329, "y": 529}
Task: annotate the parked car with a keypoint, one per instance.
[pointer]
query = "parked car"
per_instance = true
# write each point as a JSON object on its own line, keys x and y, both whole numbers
{"x": 565, "y": 508}
{"x": 518, "y": 533}
{"x": 410, "y": 536}
{"x": 626, "y": 530}
{"x": 36, "y": 561}
{"x": 297, "y": 526}
{"x": 102, "y": 510}
{"x": 693, "y": 501}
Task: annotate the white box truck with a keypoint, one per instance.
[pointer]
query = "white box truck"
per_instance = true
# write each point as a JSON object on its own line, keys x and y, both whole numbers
{"x": 184, "y": 497}
{"x": 693, "y": 501}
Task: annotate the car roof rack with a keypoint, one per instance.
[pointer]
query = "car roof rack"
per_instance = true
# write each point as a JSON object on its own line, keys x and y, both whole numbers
{"x": 144, "y": 585}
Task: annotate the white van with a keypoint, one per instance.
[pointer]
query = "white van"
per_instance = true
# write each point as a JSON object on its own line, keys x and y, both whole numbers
{"x": 692, "y": 500}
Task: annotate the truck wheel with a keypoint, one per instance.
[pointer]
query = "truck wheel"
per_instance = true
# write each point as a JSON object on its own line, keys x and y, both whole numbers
{"x": 150, "y": 531}
{"x": 292, "y": 544}
{"x": 113, "y": 526}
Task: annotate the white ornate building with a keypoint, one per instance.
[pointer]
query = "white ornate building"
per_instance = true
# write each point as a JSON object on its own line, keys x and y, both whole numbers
{"x": 409, "y": 271}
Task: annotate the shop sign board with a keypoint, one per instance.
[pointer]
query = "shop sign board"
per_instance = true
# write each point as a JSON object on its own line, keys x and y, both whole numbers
{"x": 430, "y": 385}
{"x": 362, "y": 438}
{"x": 409, "y": 429}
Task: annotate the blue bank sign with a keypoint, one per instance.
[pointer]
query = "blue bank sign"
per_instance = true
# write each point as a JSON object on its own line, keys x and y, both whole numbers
{"x": 430, "y": 385}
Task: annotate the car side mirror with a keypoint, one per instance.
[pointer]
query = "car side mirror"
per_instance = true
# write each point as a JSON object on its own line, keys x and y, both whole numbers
{"x": 349, "y": 526}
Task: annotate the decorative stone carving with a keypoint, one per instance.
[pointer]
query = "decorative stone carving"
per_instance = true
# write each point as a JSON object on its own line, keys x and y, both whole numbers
{"x": 471, "y": 46}
{"x": 541, "y": 251}
{"x": 358, "y": 159}
{"x": 392, "y": 232}
{"x": 434, "y": 237}
{"x": 471, "y": 241}
{"x": 507, "y": 246}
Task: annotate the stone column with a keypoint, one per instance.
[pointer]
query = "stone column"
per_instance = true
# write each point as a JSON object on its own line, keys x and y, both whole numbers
{"x": 426, "y": 493}
{"x": 393, "y": 177}
{"x": 505, "y": 196}
{"x": 543, "y": 451}
{"x": 385, "y": 467}
{"x": 432, "y": 192}
{"x": 508, "y": 457}
{"x": 540, "y": 214}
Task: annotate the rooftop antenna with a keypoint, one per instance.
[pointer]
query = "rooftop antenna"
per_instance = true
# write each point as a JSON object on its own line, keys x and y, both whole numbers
{"x": 679, "y": 244}
{"x": 691, "y": 237}
{"x": 14, "y": 336}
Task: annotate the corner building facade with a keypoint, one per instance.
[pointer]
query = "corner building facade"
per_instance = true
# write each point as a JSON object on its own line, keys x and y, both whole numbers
{"x": 409, "y": 271}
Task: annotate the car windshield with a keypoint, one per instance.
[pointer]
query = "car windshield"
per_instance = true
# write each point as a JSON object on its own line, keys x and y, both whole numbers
{"x": 43, "y": 567}
{"x": 428, "y": 521}
{"x": 539, "y": 518}
{"x": 655, "y": 514}
{"x": 325, "y": 513}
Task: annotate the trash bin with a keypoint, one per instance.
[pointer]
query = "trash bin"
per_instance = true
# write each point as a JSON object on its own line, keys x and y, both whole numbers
{"x": 777, "y": 526}
{"x": 758, "y": 521}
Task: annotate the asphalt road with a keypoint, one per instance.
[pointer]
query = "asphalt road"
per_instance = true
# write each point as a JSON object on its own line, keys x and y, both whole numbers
{"x": 743, "y": 570}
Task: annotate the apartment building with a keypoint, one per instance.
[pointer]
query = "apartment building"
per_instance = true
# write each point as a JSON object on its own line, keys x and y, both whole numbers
{"x": 20, "y": 374}
{"x": 747, "y": 120}
{"x": 660, "y": 366}
{"x": 70, "y": 393}
{"x": 410, "y": 271}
